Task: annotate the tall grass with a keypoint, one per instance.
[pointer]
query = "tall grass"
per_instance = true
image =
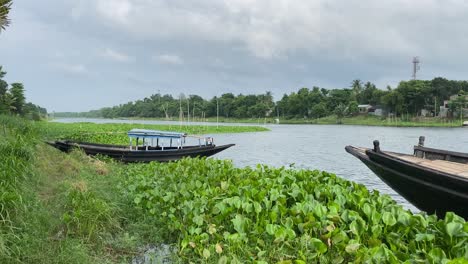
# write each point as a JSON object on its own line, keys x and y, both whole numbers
{"x": 17, "y": 138}
{"x": 62, "y": 208}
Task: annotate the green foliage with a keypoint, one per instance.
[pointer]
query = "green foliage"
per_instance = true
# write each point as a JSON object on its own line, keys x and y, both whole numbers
{"x": 86, "y": 216}
{"x": 117, "y": 133}
{"x": 17, "y": 92}
{"x": 407, "y": 100}
{"x": 340, "y": 112}
{"x": 16, "y": 154}
{"x": 5, "y": 6}
{"x": 319, "y": 110}
{"x": 13, "y": 101}
{"x": 216, "y": 212}
{"x": 353, "y": 108}
{"x": 29, "y": 230}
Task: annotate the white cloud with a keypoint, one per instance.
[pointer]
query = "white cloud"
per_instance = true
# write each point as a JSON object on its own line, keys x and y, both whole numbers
{"x": 117, "y": 10}
{"x": 269, "y": 29}
{"x": 71, "y": 68}
{"x": 169, "y": 59}
{"x": 116, "y": 56}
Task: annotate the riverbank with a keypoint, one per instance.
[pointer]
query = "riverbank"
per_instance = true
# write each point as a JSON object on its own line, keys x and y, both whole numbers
{"x": 70, "y": 208}
{"x": 366, "y": 120}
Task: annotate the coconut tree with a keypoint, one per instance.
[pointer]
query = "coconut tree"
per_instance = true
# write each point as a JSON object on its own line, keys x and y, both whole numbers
{"x": 5, "y": 6}
{"x": 356, "y": 85}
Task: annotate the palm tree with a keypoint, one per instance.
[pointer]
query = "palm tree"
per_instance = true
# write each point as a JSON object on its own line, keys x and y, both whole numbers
{"x": 356, "y": 85}
{"x": 5, "y": 6}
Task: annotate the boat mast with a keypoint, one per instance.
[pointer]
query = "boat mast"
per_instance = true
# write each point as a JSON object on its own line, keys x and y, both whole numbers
{"x": 180, "y": 110}
{"x": 188, "y": 111}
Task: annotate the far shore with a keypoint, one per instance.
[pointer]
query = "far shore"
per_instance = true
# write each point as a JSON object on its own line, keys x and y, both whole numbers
{"x": 329, "y": 120}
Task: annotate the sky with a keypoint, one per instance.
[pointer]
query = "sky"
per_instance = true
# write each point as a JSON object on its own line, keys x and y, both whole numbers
{"x": 79, "y": 55}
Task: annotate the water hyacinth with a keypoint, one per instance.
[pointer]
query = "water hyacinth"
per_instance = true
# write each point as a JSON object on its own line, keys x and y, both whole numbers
{"x": 221, "y": 213}
{"x": 117, "y": 133}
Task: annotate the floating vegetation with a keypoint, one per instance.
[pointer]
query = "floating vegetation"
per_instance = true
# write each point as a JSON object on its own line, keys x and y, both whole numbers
{"x": 117, "y": 133}
{"x": 218, "y": 213}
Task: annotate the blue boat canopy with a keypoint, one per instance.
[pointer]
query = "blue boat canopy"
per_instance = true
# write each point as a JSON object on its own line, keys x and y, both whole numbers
{"x": 147, "y": 133}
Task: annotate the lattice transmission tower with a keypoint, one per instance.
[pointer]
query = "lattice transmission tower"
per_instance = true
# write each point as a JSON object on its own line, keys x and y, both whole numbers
{"x": 416, "y": 66}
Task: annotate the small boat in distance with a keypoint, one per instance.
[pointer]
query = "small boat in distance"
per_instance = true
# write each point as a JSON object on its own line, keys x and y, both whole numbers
{"x": 433, "y": 180}
{"x": 155, "y": 146}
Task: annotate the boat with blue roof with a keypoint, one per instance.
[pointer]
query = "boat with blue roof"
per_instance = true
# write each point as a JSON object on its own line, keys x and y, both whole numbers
{"x": 148, "y": 145}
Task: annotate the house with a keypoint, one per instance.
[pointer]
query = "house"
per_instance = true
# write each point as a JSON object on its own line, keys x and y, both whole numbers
{"x": 426, "y": 113}
{"x": 364, "y": 108}
{"x": 444, "y": 109}
{"x": 372, "y": 110}
{"x": 378, "y": 111}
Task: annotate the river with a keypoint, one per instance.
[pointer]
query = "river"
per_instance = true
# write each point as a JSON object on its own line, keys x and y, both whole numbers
{"x": 321, "y": 147}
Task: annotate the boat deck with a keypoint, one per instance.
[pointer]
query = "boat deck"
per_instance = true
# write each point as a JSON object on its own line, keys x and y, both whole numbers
{"x": 454, "y": 168}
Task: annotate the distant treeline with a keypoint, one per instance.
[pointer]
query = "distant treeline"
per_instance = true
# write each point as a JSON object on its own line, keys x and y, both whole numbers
{"x": 409, "y": 98}
{"x": 13, "y": 101}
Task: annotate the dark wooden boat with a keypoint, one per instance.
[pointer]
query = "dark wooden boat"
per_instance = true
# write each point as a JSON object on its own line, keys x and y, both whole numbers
{"x": 147, "y": 151}
{"x": 433, "y": 180}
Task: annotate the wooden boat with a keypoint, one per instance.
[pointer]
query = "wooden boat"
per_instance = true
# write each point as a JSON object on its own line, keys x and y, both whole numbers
{"x": 148, "y": 151}
{"x": 433, "y": 180}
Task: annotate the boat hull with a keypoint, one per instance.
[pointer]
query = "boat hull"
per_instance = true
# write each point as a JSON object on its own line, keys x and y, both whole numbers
{"x": 124, "y": 154}
{"x": 429, "y": 190}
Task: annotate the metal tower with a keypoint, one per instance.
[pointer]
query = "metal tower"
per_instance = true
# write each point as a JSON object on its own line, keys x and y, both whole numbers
{"x": 416, "y": 66}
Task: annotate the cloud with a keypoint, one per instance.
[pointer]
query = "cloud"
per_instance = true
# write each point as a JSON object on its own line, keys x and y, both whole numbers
{"x": 169, "y": 59}
{"x": 271, "y": 29}
{"x": 116, "y": 56}
{"x": 243, "y": 46}
{"x": 75, "y": 69}
{"x": 117, "y": 10}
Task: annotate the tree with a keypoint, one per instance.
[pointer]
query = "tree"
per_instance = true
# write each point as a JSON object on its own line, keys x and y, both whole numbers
{"x": 356, "y": 86}
{"x": 353, "y": 108}
{"x": 340, "y": 112}
{"x": 394, "y": 101}
{"x": 459, "y": 104}
{"x": 367, "y": 94}
{"x": 5, "y": 6}
{"x": 3, "y": 84}
{"x": 319, "y": 110}
{"x": 7, "y": 104}
{"x": 17, "y": 91}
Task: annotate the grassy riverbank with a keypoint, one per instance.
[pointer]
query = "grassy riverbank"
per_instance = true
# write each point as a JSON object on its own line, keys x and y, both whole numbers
{"x": 70, "y": 208}
{"x": 366, "y": 120}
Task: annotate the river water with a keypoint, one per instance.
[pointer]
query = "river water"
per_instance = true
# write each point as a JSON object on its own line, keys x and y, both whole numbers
{"x": 321, "y": 147}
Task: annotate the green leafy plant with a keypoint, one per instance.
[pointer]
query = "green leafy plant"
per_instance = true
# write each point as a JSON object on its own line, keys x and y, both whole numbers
{"x": 117, "y": 133}
{"x": 217, "y": 212}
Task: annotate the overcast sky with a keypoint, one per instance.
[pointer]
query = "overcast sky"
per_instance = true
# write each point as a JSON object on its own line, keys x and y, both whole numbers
{"x": 78, "y": 55}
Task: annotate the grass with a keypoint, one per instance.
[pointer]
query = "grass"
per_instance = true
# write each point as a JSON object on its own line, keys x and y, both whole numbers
{"x": 369, "y": 120}
{"x": 76, "y": 213}
{"x": 60, "y": 208}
